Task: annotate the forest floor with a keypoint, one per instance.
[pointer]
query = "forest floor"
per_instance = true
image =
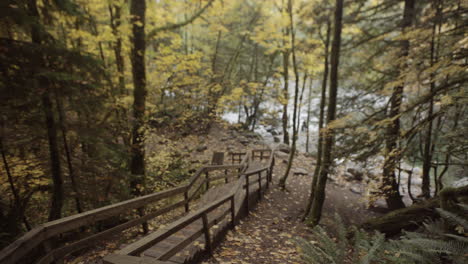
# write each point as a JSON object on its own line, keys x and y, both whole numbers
{"x": 266, "y": 235}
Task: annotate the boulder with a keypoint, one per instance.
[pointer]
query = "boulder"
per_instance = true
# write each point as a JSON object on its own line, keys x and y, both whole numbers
{"x": 276, "y": 139}
{"x": 300, "y": 171}
{"x": 281, "y": 155}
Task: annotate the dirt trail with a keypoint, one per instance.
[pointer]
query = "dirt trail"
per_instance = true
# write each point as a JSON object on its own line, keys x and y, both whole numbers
{"x": 265, "y": 236}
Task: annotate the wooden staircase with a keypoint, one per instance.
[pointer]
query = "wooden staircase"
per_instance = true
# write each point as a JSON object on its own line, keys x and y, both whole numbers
{"x": 219, "y": 196}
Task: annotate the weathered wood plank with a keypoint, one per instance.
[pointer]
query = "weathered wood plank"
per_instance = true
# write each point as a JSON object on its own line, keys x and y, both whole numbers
{"x": 222, "y": 167}
{"x": 153, "y": 238}
{"x": 124, "y": 259}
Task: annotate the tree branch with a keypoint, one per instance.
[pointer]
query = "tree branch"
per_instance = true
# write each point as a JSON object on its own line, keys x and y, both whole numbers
{"x": 181, "y": 24}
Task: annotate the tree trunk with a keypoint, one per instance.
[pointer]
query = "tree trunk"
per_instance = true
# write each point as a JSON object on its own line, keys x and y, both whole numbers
{"x": 282, "y": 182}
{"x": 137, "y": 163}
{"x": 428, "y": 145}
{"x": 115, "y": 16}
{"x": 309, "y": 102}
{"x": 321, "y": 121}
{"x": 284, "y": 119}
{"x": 392, "y": 152}
{"x": 55, "y": 164}
{"x": 71, "y": 172}
{"x": 319, "y": 195}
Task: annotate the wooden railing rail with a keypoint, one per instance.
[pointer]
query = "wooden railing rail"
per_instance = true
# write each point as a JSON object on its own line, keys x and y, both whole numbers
{"x": 40, "y": 234}
{"x": 39, "y": 238}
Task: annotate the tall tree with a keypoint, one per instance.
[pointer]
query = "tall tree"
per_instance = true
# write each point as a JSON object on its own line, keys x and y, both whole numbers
{"x": 137, "y": 164}
{"x": 282, "y": 182}
{"x": 392, "y": 152}
{"x": 323, "y": 97}
{"x": 319, "y": 195}
{"x": 44, "y": 85}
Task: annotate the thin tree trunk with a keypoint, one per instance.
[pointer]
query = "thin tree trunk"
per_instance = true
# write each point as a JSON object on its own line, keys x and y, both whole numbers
{"x": 319, "y": 195}
{"x": 8, "y": 172}
{"x": 309, "y": 102}
{"x": 392, "y": 155}
{"x": 71, "y": 172}
{"x": 304, "y": 82}
{"x": 115, "y": 16}
{"x": 137, "y": 164}
{"x": 323, "y": 98}
{"x": 282, "y": 182}
{"x": 284, "y": 118}
{"x": 428, "y": 145}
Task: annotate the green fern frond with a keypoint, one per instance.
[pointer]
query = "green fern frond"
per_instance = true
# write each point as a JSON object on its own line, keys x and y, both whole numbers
{"x": 342, "y": 243}
{"x": 377, "y": 243}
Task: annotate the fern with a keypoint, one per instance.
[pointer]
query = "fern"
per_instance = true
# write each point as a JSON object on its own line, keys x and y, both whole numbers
{"x": 435, "y": 242}
{"x": 366, "y": 248}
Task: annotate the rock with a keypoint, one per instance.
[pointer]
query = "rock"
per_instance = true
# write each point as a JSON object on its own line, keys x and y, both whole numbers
{"x": 274, "y": 132}
{"x": 348, "y": 176}
{"x": 300, "y": 172}
{"x": 252, "y": 135}
{"x": 356, "y": 189}
{"x": 230, "y": 148}
{"x": 201, "y": 148}
{"x": 244, "y": 142}
{"x": 276, "y": 139}
{"x": 284, "y": 148}
{"x": 356, "y": 174}
{"x": 281, "y": 155}
{"x": 460, "y": 183}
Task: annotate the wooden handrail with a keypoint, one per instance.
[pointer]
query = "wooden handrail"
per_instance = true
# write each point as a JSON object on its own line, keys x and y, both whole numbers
{"x": 18, "y": 249}
{"x": 153, "y": 238}
{"x": 42, "y": 233}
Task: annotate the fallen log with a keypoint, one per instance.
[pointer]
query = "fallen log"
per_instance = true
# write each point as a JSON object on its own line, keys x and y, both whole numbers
{"x": 410, "y": 218}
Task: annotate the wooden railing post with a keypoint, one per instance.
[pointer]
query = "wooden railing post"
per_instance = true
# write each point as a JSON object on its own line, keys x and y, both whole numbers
{"x": 225, "y": 176}
{"x": 268, "y": 178}
{"x": 207, "y": 180}
{"x": 233, "y": 212}
{"x": 247, "y": 193}
{"x": 206, "y": 231}
{"x": 186, "y": 198}
{"x": 259, "y": 185}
